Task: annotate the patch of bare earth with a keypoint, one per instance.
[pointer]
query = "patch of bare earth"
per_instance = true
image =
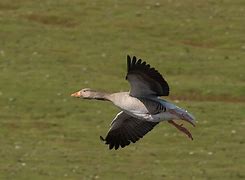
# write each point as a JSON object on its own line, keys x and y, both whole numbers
{"x": 7, "y": 7}
{"x": 52, "y": 20}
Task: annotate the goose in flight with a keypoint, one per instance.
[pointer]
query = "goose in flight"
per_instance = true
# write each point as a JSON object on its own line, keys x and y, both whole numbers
{"x": 141, "y": 108}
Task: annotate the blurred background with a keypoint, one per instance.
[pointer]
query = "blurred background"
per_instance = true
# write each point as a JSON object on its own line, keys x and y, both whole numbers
{"x": 52, "y": 48}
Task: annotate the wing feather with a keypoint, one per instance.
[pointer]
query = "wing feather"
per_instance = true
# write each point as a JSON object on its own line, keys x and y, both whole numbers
{"x": 126, "y": 129}
{"x": 145, "y": 80}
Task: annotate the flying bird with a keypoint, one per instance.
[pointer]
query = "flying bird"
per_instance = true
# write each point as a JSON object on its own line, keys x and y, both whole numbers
{"x": 141, "y": 108}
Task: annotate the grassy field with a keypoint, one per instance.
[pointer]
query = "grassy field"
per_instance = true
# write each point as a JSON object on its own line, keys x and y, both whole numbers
{"x": 51, "y": 48}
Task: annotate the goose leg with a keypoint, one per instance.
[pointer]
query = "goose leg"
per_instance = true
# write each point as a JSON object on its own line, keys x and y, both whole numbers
{"x": 181, "y": 128}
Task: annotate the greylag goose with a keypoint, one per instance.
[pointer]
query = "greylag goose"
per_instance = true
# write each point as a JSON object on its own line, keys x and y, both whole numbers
{"x": 141, "y": 108}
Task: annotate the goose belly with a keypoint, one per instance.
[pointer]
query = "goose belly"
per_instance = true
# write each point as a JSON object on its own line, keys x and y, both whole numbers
{"x": 129, "y": 104}
{"x": 139, "y": 109}
{"x": 164, "y": 116}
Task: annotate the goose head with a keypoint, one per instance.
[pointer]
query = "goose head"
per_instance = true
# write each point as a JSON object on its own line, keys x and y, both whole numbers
{"x": 85, "y": 93}
{"x": 88, "y": 93}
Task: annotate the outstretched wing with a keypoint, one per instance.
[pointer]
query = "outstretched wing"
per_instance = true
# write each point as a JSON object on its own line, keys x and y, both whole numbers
{"x": 145, "y": 80}
{"x": 126, "y": 129}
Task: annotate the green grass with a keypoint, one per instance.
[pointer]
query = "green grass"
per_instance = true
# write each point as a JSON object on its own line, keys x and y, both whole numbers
{"x": 49, "y": 49}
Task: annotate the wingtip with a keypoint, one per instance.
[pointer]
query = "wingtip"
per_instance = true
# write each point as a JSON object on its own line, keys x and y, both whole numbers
{"x": 102, "y": 139}
{"x": 128, "y": 62}
{"x": 134, "y": 60}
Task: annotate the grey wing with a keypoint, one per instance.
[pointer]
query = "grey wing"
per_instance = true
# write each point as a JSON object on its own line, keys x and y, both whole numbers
{"x": 153, "y": 106}
{"x": 145, "y": 80}
{"x": 126, "y": 129}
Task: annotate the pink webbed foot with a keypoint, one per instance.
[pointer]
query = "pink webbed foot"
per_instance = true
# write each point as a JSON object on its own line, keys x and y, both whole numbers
{"x": 181, "y": 128}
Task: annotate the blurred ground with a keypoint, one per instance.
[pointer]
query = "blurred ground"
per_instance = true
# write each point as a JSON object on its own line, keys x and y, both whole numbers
{"x": 49, "y": 49}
